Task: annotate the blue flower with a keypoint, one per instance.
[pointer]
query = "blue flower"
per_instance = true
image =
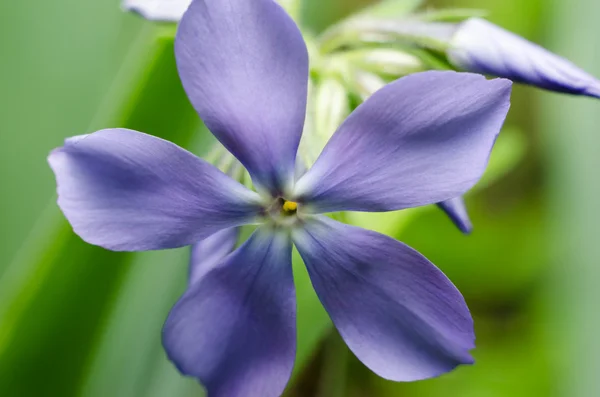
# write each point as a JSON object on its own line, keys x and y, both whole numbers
{"x": 421, "y": 140}
{"x": 481, "y": 47}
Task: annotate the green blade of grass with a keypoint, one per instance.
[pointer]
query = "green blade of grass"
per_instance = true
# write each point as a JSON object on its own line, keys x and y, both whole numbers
{"x": 54, "y": 296}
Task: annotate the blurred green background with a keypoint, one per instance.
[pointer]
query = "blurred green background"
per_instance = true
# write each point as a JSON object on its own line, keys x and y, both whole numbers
{"x": 76, "y": 320}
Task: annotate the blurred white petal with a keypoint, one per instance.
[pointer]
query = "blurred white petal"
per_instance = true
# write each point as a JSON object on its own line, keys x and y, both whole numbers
{"x": 172, "y": 10}
{"x": 158, "y": 10}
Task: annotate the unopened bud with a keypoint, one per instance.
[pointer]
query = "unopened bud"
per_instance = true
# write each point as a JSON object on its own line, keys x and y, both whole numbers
{"x": 328, "y": 107}
{"x": 366, "y": 83}
{"x": 331, "y": 107}
{"x": 386, "y": 61}
{"x": 358, "y": 32}
{"x": 482, "y": 47}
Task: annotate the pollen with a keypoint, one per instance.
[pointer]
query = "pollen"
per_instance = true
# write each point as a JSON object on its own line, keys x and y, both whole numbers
{"x": 289, "y": 207}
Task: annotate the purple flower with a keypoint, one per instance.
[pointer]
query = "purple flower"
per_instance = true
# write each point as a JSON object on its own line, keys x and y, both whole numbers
{"x": 481, "y": 47}
{"x": 423, "y": 139}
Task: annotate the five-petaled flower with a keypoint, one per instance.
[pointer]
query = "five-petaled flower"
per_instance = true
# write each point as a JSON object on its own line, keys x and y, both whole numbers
{"x": 423, "y": 139}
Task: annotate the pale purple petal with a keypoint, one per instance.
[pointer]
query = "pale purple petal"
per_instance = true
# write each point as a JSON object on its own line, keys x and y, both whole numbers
{"x": 208, "y": 253}
{"x": 420, "y": 140}
{"x": 158, "y": 10}
{"x": 457, "y": 212}
{"x": 127, "y": 191}
{"x": 235, "y": 329}
{"x": 244, "y": 66}
{"x": 482, "y": 47}
{"x": 396, "y": 311}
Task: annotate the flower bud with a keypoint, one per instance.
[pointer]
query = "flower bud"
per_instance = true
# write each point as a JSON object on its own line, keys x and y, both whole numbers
{"x": 482, "y": 47}
{"x": 386, "y": 61}
{"x": 331, "y": 107}
{"x": 366, "y": 83}
{"x": 328, "y": 106}
{"x": 359, "y": 31}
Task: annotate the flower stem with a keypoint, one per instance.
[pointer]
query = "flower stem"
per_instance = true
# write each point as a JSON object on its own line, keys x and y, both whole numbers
{"x": 332, "y": 382}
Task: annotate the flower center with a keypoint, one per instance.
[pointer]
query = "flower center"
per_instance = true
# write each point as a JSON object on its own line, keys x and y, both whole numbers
{"x": 289, "y": 207}
{"x": 282, "y": 212}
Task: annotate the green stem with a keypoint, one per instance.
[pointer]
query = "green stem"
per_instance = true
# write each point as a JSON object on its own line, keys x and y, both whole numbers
{"x": 333, "y": 377}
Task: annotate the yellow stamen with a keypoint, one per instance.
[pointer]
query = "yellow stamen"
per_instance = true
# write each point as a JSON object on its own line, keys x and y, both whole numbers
{"x": 289, "y": 207}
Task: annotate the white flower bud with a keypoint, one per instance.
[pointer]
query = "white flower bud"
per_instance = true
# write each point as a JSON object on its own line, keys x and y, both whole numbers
{"x": 331, "y": 107}
{"x": 366, "y": 83}
{"x": 386, "y": 61}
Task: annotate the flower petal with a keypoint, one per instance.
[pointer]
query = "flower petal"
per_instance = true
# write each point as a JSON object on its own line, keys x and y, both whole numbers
{"x": 420, "y": 140}
{"x": 235, "y": 329}
{"x": 158, "y": 10}
{"x": 244, "y": 66}
{"x": 128, "y": 191}
{"x": 482, "y": 47}
{"x": 396, "y": 311}
{"x": 457, "y": 212}
{"x": 209, "y": 252}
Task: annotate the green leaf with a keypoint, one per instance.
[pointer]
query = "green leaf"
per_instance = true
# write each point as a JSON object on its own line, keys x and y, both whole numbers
{"x": 128, "y": 359}
{"x": 55, "y": 295}
{"x": 53, "y": 78}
